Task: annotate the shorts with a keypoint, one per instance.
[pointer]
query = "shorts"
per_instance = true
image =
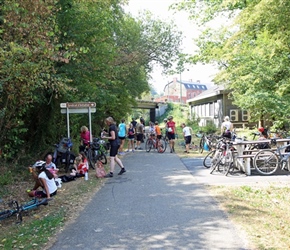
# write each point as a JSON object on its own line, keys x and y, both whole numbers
{"x": 41, "y": 194}
{"x": 131, "y": 138}
{"x": 159, "y": 137}
{"x": 114, "y": 150}
{"x": 139, "y": 137}
{"x": 171, "y": 136}
{"x": 187, "y": 139}
{"x": 122, "y": 137}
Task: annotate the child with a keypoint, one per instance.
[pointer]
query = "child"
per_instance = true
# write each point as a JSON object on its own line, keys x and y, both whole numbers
{"x": 79, "y": 168}
{"x": 131, "y": 137}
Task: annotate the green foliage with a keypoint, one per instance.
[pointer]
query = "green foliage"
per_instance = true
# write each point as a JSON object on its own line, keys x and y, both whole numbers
{"x": 5, "y": 177}
{"x": 72, "y": 51}
{"x": 251, "y": 49}
{"x": 210, "y": 128}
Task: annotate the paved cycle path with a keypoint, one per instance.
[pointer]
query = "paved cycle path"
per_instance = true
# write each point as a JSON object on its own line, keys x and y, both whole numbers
{"x": 156, "y": 204}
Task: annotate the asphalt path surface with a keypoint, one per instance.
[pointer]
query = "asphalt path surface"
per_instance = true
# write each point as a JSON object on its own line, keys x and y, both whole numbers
{"x": 161, "y": 202}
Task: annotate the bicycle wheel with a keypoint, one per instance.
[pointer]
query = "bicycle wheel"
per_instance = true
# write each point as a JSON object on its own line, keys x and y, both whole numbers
{"x": 207, "y": 161}
{"x": 201, "y": 145}
{"x": 148, "y": 145}
{"x": 216, "y": 161}
{"x": 6, "y": 214}
{"x": 228, "y": 161}
{"x": 91, "y": 158}
{"x": 102, "y": 157}
{"x": 266, "y": 162}
{"x": 161, "y": 146}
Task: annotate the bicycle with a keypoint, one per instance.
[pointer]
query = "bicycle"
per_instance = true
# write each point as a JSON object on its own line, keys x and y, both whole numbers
{"x": 159, "y": 144}
{"x": 206, "y": 141}
{"x": 266, "y": 162}
{"x": 224, "y": 157}
{"x": 96, "y": 151}
{"x": 19, "y": 209}
{"x": 210, "y": 158}
{"x": 62, "y": 154}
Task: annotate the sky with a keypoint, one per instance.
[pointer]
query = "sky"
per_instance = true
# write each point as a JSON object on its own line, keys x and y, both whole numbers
{"x": 159, "y": 8}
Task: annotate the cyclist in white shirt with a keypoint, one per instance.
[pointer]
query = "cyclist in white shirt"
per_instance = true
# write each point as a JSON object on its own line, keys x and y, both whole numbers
{"x": 227, "y": 128}
{"x": 187, "y": 131}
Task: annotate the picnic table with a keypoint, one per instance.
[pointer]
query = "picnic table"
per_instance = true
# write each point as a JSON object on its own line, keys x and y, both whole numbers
{"x": 244, "y": 157}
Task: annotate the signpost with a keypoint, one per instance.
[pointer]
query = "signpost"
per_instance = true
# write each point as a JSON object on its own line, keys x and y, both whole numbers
{"x": 78, "y": 108}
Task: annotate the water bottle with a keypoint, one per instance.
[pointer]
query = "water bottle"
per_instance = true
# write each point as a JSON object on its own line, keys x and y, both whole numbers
{"x": 86, "y": 176}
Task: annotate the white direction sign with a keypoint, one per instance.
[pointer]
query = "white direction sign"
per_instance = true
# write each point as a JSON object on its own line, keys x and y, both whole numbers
{"x": 77, "y": 111}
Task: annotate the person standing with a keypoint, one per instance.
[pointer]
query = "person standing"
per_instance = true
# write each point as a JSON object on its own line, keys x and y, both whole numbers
{"x": 85, "y": 138}
{"x": 187, "y": 131}
{"x": 114, "y": 146}
{"x": 227, "y": 128}
{"x": 122, "y": 135}
{"x": 131, "y": 137}
{"x": 170, "y": 125}
{"x": 139, "y": 137}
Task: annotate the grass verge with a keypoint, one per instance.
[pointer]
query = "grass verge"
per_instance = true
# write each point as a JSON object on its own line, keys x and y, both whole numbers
{"x": 261, "y": 211}
{"x": 39, "y": 226}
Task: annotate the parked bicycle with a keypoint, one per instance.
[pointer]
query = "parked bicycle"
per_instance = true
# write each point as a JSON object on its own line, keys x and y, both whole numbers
{"x": 223, "y": 160}
{"x": 96, "y": 151}
{"x": 154, "y": 143}
{"x": 62, "y": 155}
{"x": 207, "y": 142}
{"x": 267, "y": 162}
{"x": 17, "y": 209}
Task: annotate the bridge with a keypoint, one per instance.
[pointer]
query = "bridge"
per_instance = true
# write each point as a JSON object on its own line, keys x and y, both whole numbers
{"x": 151, "y": 105}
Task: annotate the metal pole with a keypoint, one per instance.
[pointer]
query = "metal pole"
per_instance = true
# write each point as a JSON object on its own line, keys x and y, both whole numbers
{"x": 180, "y": 88}
{"x": 90, "y": 124}
{"x": 67, "y": 120}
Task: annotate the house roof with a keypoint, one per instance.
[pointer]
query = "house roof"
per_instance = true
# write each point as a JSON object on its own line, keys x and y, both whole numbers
{"x": 193, "y": 85}
{"x": 190, "y": 85}
{"x": 214, "y": 91}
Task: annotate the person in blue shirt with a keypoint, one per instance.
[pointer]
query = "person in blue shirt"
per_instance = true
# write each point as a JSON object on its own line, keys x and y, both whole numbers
{"x": 122, "y": 131}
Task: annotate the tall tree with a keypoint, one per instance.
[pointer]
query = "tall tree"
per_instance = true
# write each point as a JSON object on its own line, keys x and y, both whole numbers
{"x": 251, "y": 50}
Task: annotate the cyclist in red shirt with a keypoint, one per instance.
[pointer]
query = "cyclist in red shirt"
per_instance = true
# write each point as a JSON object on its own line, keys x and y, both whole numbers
{"x": 170, "y": 125}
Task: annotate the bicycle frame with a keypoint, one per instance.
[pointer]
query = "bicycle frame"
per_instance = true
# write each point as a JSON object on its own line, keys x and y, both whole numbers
{"x": 16, "y": 209}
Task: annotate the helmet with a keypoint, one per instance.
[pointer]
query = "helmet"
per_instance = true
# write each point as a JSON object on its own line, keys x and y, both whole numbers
{"x": 38, "y": 164}
{"x": 261, "y": 129}
{"x": 170, "y": 117}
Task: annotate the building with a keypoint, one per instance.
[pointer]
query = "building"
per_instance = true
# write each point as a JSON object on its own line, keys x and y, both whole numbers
{"x": 181, "y": 91}
{"x": 213, "y": 105}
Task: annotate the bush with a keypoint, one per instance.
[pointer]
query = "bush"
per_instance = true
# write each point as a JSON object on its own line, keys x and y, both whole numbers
{"x": 210, "y": 128}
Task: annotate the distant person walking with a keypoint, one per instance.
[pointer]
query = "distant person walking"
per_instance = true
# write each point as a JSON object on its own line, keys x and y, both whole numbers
{"x": 227, "y": 128}
{"x": 187, "y": 132}
{"x": 122, "y": 136}
{"x": 170, "y": 125}
{"x": 114, "y": 146}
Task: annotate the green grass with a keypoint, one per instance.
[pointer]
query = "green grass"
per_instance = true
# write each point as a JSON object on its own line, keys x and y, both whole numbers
{"x": 32, "y": 235}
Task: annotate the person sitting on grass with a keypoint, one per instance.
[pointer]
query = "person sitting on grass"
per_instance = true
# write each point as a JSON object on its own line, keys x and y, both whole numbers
{"x": 44, "y": 179}
{"x": 80, "y": 167}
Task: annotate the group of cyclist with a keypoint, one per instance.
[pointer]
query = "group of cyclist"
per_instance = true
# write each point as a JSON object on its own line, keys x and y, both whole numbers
{"x": 116, "y": 136}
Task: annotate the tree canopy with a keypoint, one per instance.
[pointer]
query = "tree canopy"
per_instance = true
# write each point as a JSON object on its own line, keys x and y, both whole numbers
{"x": 71, "y": 51}
{"x": 251, "y": 49}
